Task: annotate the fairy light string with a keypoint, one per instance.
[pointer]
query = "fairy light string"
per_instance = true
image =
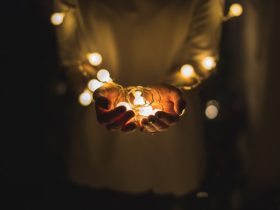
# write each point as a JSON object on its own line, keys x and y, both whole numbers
{"x": 135, "y": 96}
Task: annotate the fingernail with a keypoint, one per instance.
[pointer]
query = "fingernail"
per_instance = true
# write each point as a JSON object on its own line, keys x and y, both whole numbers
{"x": 182, "y": 106}
{"x": 152, "y": 120}
{"x": 182, "y": 112}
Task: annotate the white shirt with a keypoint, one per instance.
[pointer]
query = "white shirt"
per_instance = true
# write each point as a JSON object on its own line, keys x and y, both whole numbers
{"x": 140, "y": 42}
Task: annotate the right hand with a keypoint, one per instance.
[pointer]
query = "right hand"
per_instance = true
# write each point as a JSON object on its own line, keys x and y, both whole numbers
{"x": 114, "y": 118}
{"x": 172, "y": 105}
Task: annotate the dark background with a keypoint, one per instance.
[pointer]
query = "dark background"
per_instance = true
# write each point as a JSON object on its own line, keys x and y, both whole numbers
{"x": 243, "y": 153}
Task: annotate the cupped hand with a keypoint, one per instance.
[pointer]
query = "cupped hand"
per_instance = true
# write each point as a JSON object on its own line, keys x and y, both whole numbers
{"x": 172, "y": 106}
{"x": 114, "y": 118}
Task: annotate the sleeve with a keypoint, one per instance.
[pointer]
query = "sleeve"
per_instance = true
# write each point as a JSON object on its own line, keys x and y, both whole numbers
{"x": 71, "y": 52}
{"x": 200, "y": 52}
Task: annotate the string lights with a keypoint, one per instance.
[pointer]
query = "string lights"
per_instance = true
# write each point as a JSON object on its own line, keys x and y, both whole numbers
{"x": 125, "y": 104}
{"x": 187, "y": 71}
{"x": 57, "y": 18}
{"x": 94, "y": 59}
{"x": 104, "y": 76}
{"x": 140, "y": 105}
{"x": 212, "y": 109}
{"x": 136, "y": 96}
{"x": 85, "y": 98}
{"x": 208, "y": 63}
{"x": 235, "y": 10}
{"x": 94, "y": 84}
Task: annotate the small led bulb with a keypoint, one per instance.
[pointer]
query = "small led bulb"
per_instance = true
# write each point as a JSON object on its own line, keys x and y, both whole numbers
{"x": 103, "y": 75}
{"x": 85, "y": 98}
{"x": 209, "y": 63}
{"x": 57, "y": 18}
{"x": 94, "y": 59}
{"x": 138, "y": 99}
{"x": 187, "y": 71}
{"x": 235, "y": 10}
{"x": 94, "y": 84}
{"x": 137, "y": 94}
{"x": 212, "y": 109}
{"x": 126, "y": 105}
{"x": 146, "y": 111}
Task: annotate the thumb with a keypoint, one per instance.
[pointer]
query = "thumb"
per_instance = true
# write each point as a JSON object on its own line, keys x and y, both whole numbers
{"x": 179, "y": 106}
{"x": 178, "y": 101}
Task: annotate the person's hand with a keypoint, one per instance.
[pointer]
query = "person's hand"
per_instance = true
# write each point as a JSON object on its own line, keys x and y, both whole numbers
{"x": 113, "y": 118}
{"x": 172, "y": 104}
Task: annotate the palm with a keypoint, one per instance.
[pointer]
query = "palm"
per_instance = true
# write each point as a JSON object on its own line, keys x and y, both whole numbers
{"x": 171, "y": 103}
{"x": 166, "y": 98}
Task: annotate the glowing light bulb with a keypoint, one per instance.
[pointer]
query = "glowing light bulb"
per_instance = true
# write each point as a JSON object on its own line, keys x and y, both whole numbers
{"x": 146, "y": 111}
{"x": 94, "y": 59}
{"x": 57, "y": 18}
{"x": 138, "y": 99}
{"x": 103, "y": 75}
{"x": 125, "y": 104}
{"x": 137, "y": 93}
{"x": 235, "y": 10}
{"x": 212, "y": 109}
{"x": 187, "y": 71}
{"x": 85, "y": 98}
{"x": 94, "y": 84}
{"x": 209, "y": 63}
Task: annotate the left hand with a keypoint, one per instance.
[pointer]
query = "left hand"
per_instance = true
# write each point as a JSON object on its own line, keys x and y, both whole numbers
{"x": 113, "y": 118}
{"x": 173, "y": 105}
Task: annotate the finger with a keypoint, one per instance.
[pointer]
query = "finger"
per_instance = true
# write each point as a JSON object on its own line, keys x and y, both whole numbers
{"x": 167, "y": 118}
{"x": 102, "y": 102}
{"x": 106, "y": 90}
{"x": 110, "y": 92}
{"x": 158, "y": 124}
{"x": 179, "y": 103}
{"x": 148, "y": 127}
{"x": 106, "y": 117}
{"x": 120, "y": 122}
{"x": 129, "y": 127}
